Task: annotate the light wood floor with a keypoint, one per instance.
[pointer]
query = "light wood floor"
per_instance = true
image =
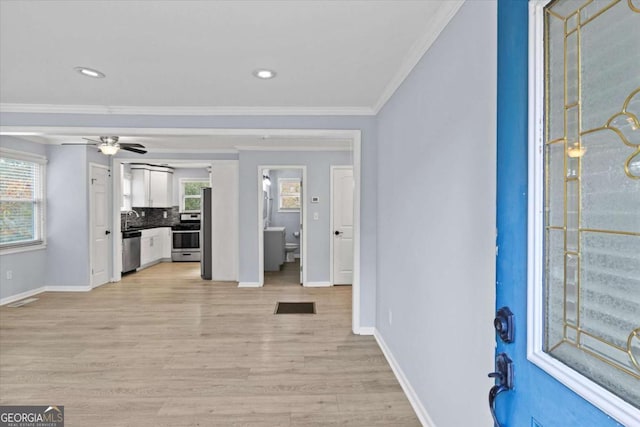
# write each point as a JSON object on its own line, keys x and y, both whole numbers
{"x": 163, "y": 348}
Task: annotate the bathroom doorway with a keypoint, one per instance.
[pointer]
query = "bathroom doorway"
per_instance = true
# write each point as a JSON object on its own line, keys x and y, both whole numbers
{"x": 282, "y": 238}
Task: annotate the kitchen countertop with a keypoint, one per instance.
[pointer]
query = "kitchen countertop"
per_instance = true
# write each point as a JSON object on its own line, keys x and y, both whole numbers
{"x": 144, "y": 227}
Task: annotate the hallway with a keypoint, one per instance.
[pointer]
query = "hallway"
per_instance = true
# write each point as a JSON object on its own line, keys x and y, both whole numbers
{"x": 164, "y": 348}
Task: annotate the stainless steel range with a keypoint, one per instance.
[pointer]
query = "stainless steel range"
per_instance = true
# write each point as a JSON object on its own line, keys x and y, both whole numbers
{"x": 186, "y": 238}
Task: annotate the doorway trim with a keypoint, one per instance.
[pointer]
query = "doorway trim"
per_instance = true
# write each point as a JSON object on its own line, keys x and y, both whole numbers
{"x": 91, "y": 165}
{"x": 303, "y": 262}
{"x": 355, "y": 135}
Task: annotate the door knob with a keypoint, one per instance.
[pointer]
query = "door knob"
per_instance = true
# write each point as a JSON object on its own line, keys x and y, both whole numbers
{"x": 337, "y": 233}
{"x": 504, "y": 377}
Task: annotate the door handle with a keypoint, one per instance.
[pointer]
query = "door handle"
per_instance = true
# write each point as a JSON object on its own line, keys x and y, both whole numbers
{"x": 337, "y": 233}
{"x": 504, "y": 376}
{"x": 107, "y": 232}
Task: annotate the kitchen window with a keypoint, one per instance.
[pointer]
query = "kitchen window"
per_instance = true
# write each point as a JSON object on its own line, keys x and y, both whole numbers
{"x": 190, "y": 194}
{"x": 22, "y": 201}
{"x": 288, "y": 194}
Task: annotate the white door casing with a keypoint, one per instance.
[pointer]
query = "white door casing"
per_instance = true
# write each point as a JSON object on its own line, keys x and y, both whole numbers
{"x": 99, "y": 225}
{"x": 342, "y": 224}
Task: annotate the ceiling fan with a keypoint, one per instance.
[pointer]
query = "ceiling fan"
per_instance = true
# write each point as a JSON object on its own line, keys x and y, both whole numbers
{"x": 109, "y": 145}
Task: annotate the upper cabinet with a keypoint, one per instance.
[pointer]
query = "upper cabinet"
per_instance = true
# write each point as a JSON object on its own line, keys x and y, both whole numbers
{"x": 152, "y": 186}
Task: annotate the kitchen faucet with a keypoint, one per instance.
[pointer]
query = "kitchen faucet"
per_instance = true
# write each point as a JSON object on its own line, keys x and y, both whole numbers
{"x": 126, "y": 217}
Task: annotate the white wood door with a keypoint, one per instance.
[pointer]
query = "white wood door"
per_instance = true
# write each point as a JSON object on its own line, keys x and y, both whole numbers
{"x": 342, "y": 233}
{"x": 100, "y": 232}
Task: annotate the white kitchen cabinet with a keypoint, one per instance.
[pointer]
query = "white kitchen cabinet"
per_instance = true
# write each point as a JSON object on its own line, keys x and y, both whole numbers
{"x": 152, "y": 186}
{"x": 152, "y": 245}
{"x": 166, "y": 242}
{"x": 155, "y": 245}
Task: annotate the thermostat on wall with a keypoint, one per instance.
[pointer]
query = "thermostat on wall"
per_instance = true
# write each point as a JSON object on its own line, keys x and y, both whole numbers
{"x": 315, "y": 199}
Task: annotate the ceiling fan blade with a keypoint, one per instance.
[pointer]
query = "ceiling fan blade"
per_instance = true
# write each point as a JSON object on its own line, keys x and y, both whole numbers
{"x": 78, "y": 143}
{"x": 133, "y": 150}
{"x": 129, "y": 144}
{"x": 93, "y": 140}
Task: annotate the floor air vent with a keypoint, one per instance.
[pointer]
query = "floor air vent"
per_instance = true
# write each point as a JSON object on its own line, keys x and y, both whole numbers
{"x": 296, "y": 308}
{"x": 22, "y": 302}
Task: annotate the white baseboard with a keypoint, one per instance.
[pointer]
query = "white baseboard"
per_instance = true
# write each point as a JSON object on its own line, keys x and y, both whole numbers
{"x": 32, "y": 292}
{"x": 317, "y": 284}
{"x": 67, "y": 288}
{"x": 21, "y": 295}
{"x": 420, "y": 410}
{"x": 249, "y": 284}
{"x": 366, "y": 330}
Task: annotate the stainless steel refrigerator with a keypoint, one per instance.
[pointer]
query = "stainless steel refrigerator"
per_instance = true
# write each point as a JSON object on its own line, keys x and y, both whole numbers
{"x": 205, "y": 233}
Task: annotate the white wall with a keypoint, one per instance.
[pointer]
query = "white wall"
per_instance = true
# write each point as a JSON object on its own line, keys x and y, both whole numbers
{"x": 224, "y": 205}
{"x": 436, "y": 220}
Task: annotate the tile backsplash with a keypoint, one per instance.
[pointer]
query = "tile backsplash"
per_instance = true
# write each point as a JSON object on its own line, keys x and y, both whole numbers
{"x": 153, "y": 217}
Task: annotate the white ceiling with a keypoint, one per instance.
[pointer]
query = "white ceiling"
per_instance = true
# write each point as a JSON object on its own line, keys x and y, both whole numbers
{"x": 196, "y": 57}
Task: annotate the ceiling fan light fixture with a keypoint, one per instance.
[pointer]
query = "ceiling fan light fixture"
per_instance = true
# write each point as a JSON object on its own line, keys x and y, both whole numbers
{"x": 90, "y": 72}
{"x": 109, "y": 149}
{"x": 264, "y": 74}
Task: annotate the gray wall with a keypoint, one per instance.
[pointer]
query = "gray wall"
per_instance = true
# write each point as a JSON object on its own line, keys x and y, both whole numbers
{"x": 65, "y": 262}
{"x": 289, "y": 220}
{"x": 27, "y": 268}
{"x": 367, "y": 126}
{"x": 436, "y": 220}
{"x": 67, "y": 216}
{"x": 318, "y": 176}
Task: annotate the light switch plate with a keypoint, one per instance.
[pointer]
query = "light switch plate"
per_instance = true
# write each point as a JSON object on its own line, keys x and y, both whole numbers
{"x": 315, "y": 199}
{"x": 316, "y": 216}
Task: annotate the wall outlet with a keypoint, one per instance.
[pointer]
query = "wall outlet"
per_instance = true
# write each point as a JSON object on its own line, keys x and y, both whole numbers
{"x": 164, "y": 214}
{"x": 142, "y": 214}
{"x": 390, "y": 317}
{"x": 9, "y": 274}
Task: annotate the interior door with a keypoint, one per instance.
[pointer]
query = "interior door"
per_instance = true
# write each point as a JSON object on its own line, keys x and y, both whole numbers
{"x": 100, "y": 231}
{"x": 342, "y": 215}
{"x": 539, "y": 399}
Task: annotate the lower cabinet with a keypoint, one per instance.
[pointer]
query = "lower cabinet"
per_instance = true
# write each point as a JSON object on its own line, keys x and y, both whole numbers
{"x": 155, "y": 244}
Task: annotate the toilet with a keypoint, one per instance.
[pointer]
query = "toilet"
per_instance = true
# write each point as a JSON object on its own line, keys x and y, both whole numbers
{"x": 290, "y": 249}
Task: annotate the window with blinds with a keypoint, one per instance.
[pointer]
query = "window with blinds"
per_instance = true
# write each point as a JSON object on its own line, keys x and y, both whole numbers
{"x": 289, "y": 195}
{"x": 591, "y": 255}
{"x": 21, "y": 200}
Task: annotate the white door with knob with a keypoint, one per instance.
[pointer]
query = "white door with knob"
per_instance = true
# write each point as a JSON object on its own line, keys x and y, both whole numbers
{"x": 342, "y": 222}
{"x": 100, "y": 229}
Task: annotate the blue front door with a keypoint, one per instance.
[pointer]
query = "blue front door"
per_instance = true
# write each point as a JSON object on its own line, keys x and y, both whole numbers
{"x": 537, "y": 400}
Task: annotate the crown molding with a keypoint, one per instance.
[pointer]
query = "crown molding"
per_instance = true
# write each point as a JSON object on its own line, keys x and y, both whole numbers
{"x": 184, "y": 111}
{"x": 291, "y": 148}
{"x": 436, "y": 24}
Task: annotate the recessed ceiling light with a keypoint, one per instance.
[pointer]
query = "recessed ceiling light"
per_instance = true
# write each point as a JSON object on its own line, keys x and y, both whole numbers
{"x": 264, "y": 74}
{"x": 90, "y": 72}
